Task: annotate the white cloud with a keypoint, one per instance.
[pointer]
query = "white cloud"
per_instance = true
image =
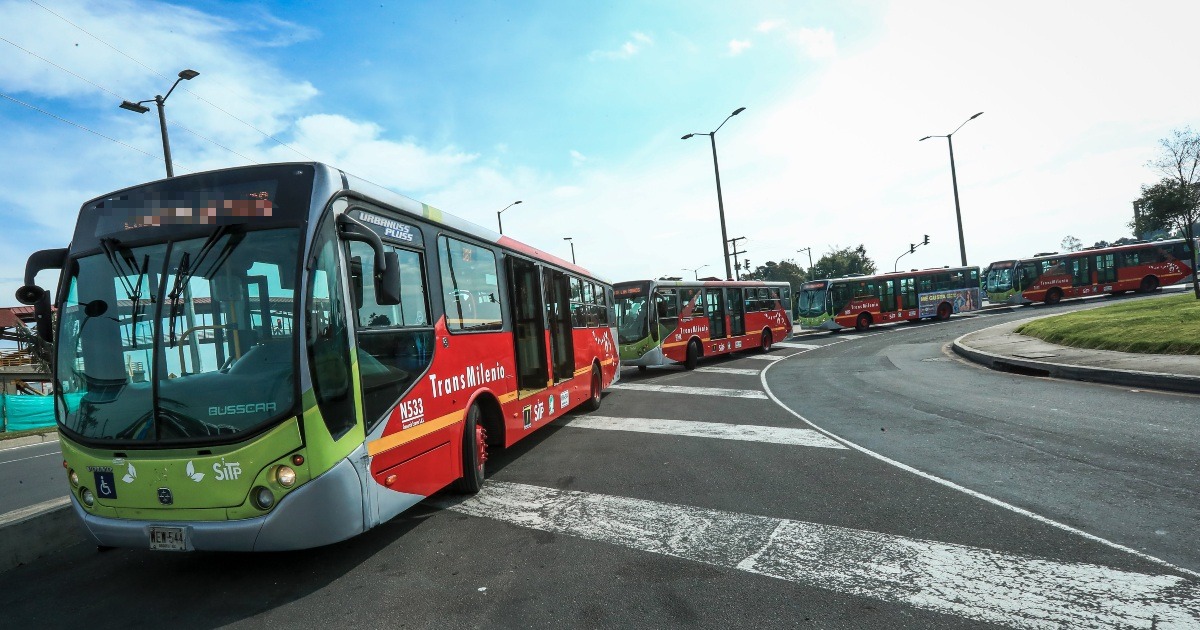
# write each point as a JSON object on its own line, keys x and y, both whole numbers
{"x": 816, "y": 43}
{"x": 738, "y": 46}
{"x": 577, "y": 158}
{"x": 627, "y": 50}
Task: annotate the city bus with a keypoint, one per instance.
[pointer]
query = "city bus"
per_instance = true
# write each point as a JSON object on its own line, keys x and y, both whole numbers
{"x": 860, "y": 301}
{"x": 283, "y": 356}
{"x": 670, "y": 322}
{"x": 1049, "y": 278}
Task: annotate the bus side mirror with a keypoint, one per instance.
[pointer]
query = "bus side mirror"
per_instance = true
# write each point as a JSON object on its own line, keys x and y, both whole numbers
{"x": 356, "y": 281}
{"x": 662, "y": 309}
{"x": 387, "y": 282}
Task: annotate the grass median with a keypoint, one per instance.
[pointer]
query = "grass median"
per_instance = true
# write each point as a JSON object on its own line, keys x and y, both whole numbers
{"x": 1168, "y": 325}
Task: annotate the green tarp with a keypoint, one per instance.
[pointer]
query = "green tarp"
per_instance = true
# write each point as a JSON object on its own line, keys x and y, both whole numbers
{"x": 23, "y": 412}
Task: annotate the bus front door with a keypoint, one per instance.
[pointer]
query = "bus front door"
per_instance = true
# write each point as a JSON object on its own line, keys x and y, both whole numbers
{"x": 529, "y": 330}
{"x": 715, "y": 306}
{"x": 737, "y": 312}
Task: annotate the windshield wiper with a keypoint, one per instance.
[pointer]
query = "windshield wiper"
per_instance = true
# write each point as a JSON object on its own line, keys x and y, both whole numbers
{"x": 133, "y": 291}
{"x": 183, "y": 275}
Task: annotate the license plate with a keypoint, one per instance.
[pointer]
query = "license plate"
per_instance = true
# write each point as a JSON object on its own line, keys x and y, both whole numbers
{"x": 168, "y": 539}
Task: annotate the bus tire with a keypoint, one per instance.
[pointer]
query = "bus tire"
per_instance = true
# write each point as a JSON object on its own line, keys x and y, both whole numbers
{"x": 474, "y": 453}
{"x": 767, "y": 340}
{"x": 1053, "y": 296}
{"x": 641, "y": 368}
{"x": 863, "y": 322}
{"x": 693, "y": 355}
{"x": 944, "y": 311}
{"x": 1149, "y": 284}
{"x": 593, "y": 401}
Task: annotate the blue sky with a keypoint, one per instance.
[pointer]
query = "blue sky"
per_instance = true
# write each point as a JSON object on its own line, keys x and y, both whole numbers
{"x": 577, "y": 110}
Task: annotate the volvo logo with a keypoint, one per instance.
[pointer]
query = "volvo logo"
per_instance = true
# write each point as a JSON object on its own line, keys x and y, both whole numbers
{"x": 164, "y": 496}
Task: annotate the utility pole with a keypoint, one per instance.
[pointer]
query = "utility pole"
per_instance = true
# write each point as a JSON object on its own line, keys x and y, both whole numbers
{"x": 733, "y": 244}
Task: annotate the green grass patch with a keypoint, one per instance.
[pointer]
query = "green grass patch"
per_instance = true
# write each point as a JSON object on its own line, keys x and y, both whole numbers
{"x": 1167, "y": 325}
{"x": 11, "y": 435}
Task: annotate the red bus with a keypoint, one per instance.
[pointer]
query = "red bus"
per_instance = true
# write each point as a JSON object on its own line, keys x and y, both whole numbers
{"x": 665, "y": 322}
{"x": 860, "y": 301}
{"x": 1049, "y": 278}
{"x": 284, "y": 356}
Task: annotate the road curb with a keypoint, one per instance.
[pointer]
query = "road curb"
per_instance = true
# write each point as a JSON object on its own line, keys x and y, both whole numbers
{"x": 1126, "y": 378}
{"x": 38, "y": 530}
{"x": 51, "y": 436}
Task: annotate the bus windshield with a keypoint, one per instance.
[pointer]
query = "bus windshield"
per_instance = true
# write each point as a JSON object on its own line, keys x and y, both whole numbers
{"x": 999, "y": 279}
{"x": 181, "y": 340}
{"x": 633, "y": 314}
{"x": 812, "y": 300}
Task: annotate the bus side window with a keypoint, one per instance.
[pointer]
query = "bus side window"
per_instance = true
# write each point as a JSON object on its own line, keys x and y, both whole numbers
{"x": 469, "y": 286}
{"x": 578, "y": 317}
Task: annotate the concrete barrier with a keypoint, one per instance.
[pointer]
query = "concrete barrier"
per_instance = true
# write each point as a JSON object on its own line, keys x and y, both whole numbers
{"x": 35, "y": 531}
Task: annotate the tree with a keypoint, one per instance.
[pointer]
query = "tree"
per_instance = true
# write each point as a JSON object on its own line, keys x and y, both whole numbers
{"x": 1176, "y": 202}
{"x": 1161, "y": 210}
{"x": 783, "y": 271}
{"x": 1071, "y": 244}
{"x": 843, "y": 262}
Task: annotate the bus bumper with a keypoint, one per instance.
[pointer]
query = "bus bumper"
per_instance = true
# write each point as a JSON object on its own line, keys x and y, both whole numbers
{"x": 326, "y": 510}
{"x": 829, "y": 324}
{"x": 652, "y": 358}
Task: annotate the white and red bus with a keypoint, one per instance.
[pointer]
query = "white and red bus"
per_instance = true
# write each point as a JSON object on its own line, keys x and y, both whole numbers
{"x": 665, "y": 322}
{"x": 284, "y": 356}
{"x": 1049, "y": 278}
{"x": 860, "y": 301}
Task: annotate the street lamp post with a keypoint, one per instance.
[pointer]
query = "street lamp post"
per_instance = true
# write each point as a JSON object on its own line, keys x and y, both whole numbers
{"x": 712, "y": 135}
{"x": 161, "y": 101}
{"x": 696, "y": 271}
{"x": 572, "y": 242}
{"x": 962, "y": 245}
{"x": 500, "y": 223}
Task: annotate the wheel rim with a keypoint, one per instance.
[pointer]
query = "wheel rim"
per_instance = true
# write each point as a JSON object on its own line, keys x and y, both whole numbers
{"x": 595, "y": 387}
{"x": 766, "y": 341}
{"x": 481, "y": 444}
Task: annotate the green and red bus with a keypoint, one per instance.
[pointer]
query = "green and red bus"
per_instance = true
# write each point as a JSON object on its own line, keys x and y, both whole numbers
{"x": 1052, "y": 277}
{"x": 860, "y": 301}
{"x": 283, "y": 356}
{"x": 669, "y": 322}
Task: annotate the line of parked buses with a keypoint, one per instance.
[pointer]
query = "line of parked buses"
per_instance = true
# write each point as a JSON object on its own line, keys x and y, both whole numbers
{"x": 283, "y": 356}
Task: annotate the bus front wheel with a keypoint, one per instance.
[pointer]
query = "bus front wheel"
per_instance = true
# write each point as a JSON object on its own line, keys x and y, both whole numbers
{"x": 693, "y": 355}
{"x": 1149, "y": 284}
{"x": 863, "y": 323}
{"x": 1054, "y": 296}
{"x": 474, "y": 452}
{"x": 767, "y": 340}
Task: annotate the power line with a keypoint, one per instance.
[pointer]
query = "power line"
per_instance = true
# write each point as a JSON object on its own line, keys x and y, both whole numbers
{"x": 164, "y": 77}
{"x": 115, "y": 95}
{"x": 75, "y": 124}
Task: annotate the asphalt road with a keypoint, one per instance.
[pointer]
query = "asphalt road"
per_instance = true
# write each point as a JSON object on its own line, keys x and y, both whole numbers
{"x": 30, "y": 474}
{"x": 653, "y": 512}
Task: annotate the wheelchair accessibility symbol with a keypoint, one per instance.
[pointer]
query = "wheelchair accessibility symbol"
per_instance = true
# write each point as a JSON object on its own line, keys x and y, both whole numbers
{"x": 106, "y": 487}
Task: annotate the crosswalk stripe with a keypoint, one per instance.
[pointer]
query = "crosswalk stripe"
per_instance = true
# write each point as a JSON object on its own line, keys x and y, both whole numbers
{"x": 718, "y": 430}
{"x": 968, "y": 582}
{"x": 699, "y": 391}
{"x": 797, "y": 346}
{"x": 725, "y": 370}
{"x": 765, "y": 357}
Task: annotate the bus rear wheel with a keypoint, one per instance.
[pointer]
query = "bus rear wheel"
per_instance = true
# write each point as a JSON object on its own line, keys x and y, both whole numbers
{"x": 693, "y": 355}
{"x": 863, "y": 323}
{"x": 474, "y": 452}
{"x": 593, "y": 401}
{"x": 767, "y": 340}
{"x": 1053, "y": 296}
{"x": 944, "y": 311}
{"x": 1149, "y": 284}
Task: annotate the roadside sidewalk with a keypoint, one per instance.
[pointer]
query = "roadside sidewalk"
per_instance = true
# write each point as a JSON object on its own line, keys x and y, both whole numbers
{"x": 1002, "y": 349}
{"x": 49, "y": 435}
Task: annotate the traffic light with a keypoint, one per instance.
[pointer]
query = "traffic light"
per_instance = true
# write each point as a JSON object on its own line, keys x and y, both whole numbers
{"x": 912, "y": 248}
{"x": 926, "y": 240}
{"x": 747, "y": 261}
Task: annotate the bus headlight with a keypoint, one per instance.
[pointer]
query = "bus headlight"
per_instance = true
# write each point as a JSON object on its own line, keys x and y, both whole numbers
{"x": 74, "y": 477}
{"x": 88, "y": 498}
{"x": 285, "y": 476}
{"x": 263, "y": 499}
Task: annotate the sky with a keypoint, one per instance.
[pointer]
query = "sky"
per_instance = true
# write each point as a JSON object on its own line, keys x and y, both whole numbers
{"x": 577, "y": 110}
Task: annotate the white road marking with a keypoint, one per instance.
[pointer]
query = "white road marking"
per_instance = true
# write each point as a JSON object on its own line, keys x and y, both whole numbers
{"x": 968, "y": 582}
{"x": 725, "y": 370}
{"x": 765, "y": 357}
{"x": 54, "y": 453}
{"x": 701, "y": 391}
{"x": 979, "y": 495}
{"x": 719, "y": 430}
{"x": 798, "y": 346}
